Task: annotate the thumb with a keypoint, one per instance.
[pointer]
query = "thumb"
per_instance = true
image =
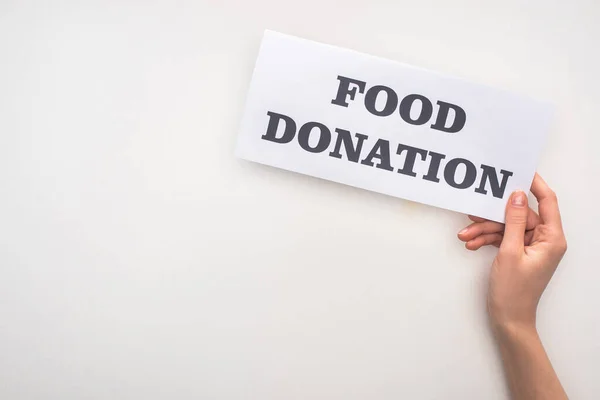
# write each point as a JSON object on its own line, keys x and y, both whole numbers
{"x": 516, "y": 222}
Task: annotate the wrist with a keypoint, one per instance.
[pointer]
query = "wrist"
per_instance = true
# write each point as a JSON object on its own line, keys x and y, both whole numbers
{"x": 510, "y": 319}
{"x": 513, "y": 330}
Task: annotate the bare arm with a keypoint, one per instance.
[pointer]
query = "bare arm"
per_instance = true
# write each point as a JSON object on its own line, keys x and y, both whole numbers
{"x": 528, "y": 370}
{"x": 531, "y": 247}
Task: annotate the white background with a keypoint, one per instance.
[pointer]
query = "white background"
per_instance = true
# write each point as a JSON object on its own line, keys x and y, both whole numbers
{"x": 140, "y": 260}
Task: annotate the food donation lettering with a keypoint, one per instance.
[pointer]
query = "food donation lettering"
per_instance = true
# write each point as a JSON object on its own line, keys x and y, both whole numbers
{"x": 414, "y": 109}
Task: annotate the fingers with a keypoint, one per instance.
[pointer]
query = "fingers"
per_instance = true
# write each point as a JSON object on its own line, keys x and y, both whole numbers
{"x": 528, "y": 237}
{"x": 533, "y": 220}
{"x": 484, "y": 240}
{"x": 480, "y": 228}
{"x": 476, "y": 219}
{"x": 516, "y": 223}
{"x": 496, "y": 242}
{"x": 548, "y": 203}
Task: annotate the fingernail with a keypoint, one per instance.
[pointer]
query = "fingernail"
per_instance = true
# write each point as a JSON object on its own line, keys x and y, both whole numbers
{"x": 518, "y": 199}
{"x": 463, "y": 231}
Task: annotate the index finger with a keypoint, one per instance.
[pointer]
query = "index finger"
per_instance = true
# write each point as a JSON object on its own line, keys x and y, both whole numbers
{"x": 533, "y": 220}
{"x": 547, "y": 202}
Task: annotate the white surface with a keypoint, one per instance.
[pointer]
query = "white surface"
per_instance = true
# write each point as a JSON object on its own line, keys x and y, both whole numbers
{"x": 134, "y": 263}
{"x": 297, "y": 78}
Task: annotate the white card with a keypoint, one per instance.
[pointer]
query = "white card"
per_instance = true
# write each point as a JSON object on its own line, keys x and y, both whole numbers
{"x": 388, "y": 127}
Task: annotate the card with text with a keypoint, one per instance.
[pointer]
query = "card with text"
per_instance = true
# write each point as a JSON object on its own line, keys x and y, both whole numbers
{"x": 388, "y": 127}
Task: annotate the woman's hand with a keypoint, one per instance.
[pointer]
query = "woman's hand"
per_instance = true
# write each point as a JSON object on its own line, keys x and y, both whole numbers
{"x": 531, "y": 246}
